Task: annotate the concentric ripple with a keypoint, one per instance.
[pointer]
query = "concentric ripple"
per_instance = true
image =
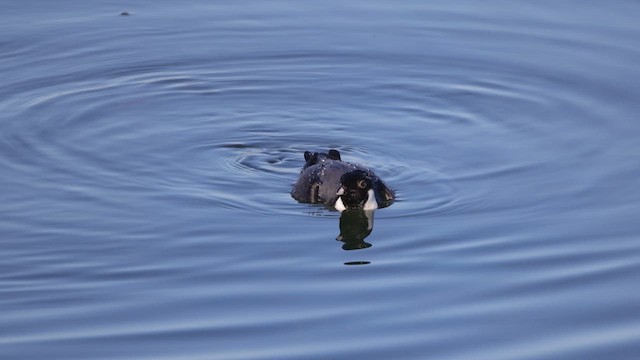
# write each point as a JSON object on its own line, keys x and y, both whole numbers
{"x": 146, "y": 163}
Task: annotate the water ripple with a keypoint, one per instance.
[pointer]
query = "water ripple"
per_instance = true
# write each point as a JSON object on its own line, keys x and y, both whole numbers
{"x": 147, "y": 162}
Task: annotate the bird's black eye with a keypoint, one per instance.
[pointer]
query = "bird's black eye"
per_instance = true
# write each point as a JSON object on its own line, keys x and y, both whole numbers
{"x": 362, "y": 184}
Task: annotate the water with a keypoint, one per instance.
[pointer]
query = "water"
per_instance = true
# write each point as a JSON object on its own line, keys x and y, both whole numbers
{"x": 146, "y": 162}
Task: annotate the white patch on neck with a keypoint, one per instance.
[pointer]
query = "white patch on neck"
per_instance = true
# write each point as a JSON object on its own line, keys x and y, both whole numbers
{"x": 371, "y": 203}
{"x": 340, "y": 205}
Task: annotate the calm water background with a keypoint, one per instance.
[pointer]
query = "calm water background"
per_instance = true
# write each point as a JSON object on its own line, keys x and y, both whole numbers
{"x": 146, "y": 163}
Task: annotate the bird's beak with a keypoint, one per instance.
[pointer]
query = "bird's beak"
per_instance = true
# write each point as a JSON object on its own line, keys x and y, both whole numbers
{"x": 340, "y": 192}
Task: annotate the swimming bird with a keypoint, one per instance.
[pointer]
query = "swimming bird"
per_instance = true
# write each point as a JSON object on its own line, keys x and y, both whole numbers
{"x": 326, "y": 179}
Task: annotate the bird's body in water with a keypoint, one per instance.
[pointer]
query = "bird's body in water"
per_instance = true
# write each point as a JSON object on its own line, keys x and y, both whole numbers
{"x": 326, "y": 179}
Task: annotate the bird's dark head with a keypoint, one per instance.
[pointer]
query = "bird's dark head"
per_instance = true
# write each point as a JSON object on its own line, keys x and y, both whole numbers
{"x": 356, "y": 192}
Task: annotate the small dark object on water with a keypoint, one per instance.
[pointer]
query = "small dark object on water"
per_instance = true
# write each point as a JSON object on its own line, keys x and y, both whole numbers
{"x": 124, "y": 13}
{"x": 357, "y": 263}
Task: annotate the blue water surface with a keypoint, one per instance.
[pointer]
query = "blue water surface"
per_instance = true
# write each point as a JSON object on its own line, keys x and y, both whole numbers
{"x": 146, "y": 162}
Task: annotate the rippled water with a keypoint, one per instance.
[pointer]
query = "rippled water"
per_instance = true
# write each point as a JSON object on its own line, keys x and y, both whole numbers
{"x": 147, "y": 161}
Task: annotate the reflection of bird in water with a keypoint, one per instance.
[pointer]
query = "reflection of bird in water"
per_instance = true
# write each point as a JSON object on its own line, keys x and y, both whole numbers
{"x": 355, "y": 226}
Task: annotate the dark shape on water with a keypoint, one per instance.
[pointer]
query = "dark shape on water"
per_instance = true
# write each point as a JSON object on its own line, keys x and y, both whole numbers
{"x": 326, "y": 179}
{"x": 125, "y": 13}
{"x": 355, "y": 226}
{"x": 358, "y": 262}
